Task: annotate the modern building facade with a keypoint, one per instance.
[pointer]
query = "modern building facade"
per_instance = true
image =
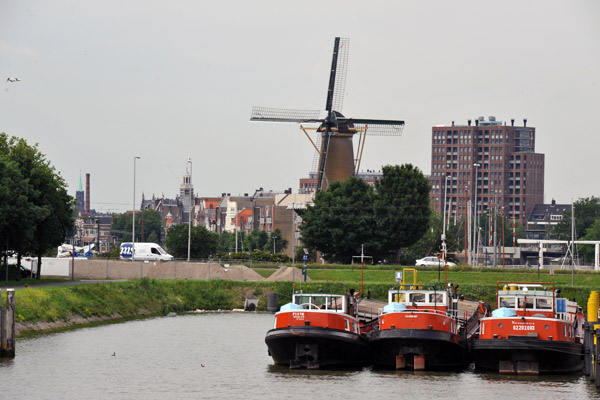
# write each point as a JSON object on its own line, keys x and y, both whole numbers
{"x": 490, "y": 163}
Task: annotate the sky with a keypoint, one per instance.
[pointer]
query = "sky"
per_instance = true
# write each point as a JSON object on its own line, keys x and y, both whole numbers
{"x": 103, "y": 82}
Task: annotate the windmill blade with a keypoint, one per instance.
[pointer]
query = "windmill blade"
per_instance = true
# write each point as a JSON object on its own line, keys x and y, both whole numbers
{"x": 374, "y": 127}
{"x": 337, "y": 77}
{"x": 323, "y": 159}
{"x": 284, "y": 115}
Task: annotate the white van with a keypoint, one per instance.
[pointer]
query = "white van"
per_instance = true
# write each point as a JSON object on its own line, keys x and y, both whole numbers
{"x": 144, "y": 252}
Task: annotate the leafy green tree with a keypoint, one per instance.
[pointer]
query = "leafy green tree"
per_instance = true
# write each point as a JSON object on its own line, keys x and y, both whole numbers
{"x": 341, "y": 220}
{"x": 256, "y": 240}
{"x": 401, "y": 206}
{"x": 203, "y": 243}
{"x": 40, "y": 213}
{"x": 588, "y": 252}
{"x": 428, "y": 244}
{"x": 226, "y": 242}
{"x": 276, "y": 242}
{"x": 148, "y": 221}
{"x": 587, "y": 211}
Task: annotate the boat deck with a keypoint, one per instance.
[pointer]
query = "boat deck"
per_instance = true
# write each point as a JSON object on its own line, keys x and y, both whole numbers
{"x": 369, "y": 309}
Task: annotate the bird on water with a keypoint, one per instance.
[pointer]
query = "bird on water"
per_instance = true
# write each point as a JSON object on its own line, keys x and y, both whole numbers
{"x": 11, "y": 79}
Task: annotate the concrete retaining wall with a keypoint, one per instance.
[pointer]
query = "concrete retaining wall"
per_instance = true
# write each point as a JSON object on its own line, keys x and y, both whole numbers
{"x": 117, "y": 269}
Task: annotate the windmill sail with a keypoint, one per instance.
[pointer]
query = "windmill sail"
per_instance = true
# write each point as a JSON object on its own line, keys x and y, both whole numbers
{"x": 335, "y": 132}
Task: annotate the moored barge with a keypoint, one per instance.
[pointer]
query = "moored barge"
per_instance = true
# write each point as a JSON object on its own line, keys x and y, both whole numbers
{"x": 318, "y": 331}
{"x": 533, "y": 331}
{"x": 422, "y": 328}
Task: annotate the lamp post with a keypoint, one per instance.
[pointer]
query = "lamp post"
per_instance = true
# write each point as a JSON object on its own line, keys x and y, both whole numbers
{"x": 476, "y": 230}
{"x": 274, "y": 238}
{"x": 189, "y": 160}
{"x": 133, "y": 222}
{"x": 444, "y": 231}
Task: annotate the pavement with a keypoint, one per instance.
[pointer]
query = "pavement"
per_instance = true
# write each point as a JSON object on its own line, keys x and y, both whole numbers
{"x": 65, "y": 283}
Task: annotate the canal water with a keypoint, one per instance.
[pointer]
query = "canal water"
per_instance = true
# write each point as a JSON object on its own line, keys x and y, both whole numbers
{"x": 223, "y": 356}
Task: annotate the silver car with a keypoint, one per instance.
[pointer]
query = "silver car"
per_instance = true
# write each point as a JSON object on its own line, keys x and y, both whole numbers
{"x": 433, "y": 261}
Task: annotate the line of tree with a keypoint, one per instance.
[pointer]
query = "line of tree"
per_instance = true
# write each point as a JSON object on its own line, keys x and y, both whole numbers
{"x": 148, "y": 226}
{"x": 36, "y": 211}
{"x": 352, "y": 216}
{"x": 257, "y": 245}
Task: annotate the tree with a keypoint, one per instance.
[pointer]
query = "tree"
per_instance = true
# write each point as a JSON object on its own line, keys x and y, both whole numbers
{"x": 401, "y": 206}
{"x": 276, "y": 242}
{"x": 587, "y": 211}
{"x": 588, "y": 252}
{"x": 147, "y": 222}
{"x": 341, "y": 220}
{"x": 203, "y": 243}
{"x": 256, "y": 240}
{"x": 40, "y": 210}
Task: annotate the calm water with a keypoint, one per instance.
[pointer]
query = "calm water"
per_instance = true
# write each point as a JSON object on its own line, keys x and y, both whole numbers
{"x": 162, "y": 358}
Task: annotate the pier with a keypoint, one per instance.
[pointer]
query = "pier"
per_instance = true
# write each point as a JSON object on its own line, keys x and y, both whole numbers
{"x": 7, "y": 325}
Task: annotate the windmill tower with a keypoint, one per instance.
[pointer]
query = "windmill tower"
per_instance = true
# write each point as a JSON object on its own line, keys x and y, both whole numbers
{"x": 334, "y": 144}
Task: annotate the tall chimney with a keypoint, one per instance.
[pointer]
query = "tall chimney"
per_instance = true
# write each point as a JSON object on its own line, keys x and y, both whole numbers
{"x": 87, "y": 194}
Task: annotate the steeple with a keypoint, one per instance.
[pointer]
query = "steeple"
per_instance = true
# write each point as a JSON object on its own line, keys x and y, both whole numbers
{"x": 80, "y": 189}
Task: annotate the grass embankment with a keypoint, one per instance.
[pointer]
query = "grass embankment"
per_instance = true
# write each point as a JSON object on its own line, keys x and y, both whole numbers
{"x": 69, "y": 304}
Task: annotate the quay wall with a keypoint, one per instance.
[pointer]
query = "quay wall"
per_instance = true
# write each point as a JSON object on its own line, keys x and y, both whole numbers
{"x": 118, "y": 269}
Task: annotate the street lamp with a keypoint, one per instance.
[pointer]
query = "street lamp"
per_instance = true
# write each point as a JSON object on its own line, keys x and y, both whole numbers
{"x": 444, "y": 231}
{"x": 274, "y": 238}
{"x": 189, "y": 160}
{"x": 133, "y": 223}
{"x": 476, "y": 230}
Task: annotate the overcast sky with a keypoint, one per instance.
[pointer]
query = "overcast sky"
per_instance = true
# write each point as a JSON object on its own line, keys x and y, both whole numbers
{"x": 102, "y": 82}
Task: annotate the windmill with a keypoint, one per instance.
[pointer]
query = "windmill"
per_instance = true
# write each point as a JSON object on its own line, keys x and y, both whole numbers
{"x": 336, "y": 160}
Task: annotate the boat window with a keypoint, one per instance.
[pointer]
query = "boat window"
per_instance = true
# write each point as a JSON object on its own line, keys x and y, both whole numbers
{"x": 320, "y": 302}
{"x": 543, "y": 304}
{"x": 399, "y": 297}
{"x": 525, "y": 302}
{"x": 347, "y": 324}
{"x": 417, "y": 297}
{"x": 507, "y": 302}
{"x": 436, "y": 298}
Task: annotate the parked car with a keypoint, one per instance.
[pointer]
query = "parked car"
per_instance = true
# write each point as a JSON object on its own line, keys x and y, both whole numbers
{"x": 433, "y": 261}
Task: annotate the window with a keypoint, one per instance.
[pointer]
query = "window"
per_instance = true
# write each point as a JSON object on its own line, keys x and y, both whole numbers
{"x": 543, "y": 304}
{"x": 436, "y": 298}
{"x": 525, "y": 302}
{"x": 417, "y": 297}
{"x": 507, "y": 302}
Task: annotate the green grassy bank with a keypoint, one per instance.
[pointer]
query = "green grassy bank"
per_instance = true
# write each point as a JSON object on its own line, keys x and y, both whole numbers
{"x": 68, "y": 305}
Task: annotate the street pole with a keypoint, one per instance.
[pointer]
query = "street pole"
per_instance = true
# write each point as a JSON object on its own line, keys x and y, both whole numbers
{"x": 444, "y": 232}
{"x": 133, "y": 222}
{"x": 293, "y": 242}
{"x": 189, "y": 160}
{"x": 476, "y": 227}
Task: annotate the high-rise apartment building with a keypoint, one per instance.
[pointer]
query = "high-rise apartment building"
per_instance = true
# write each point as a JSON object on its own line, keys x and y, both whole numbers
{"x": 496, "y": 160}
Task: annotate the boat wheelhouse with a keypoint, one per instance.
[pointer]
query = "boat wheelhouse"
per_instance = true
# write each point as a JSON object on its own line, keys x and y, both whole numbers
{"x": 318, "y": 330}
{"x": 532, "y": 331}
{"x": 421, "y": 329}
